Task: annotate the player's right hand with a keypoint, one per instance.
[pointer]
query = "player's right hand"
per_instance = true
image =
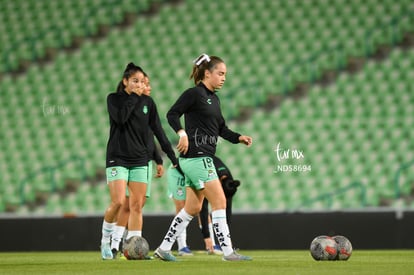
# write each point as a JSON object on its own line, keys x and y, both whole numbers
{"x": 182, "y": 145}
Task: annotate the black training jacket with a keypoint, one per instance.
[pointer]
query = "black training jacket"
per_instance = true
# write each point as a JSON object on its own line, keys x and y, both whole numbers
{"x": 203, "y": 119}
{"x": 153, "y": 152}
{"x": 129, "y": 118}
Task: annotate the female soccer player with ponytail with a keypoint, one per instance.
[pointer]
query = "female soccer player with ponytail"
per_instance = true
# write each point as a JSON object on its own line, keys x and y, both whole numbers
{"x": 120, "y": 232}
{"x": 131, "y": 115}
{"x": 204, "y": 123}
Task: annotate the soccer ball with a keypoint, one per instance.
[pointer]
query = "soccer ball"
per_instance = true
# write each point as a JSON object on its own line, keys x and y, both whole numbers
{"x": 344, "y": 247}
{"x": 135, "y": 248}
{"x": 324, "y": 248}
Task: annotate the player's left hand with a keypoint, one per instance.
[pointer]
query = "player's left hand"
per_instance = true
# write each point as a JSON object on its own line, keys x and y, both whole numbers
{"x": 209, "y": 245}
{"x": 160, "y": 171}
{"x": 179, "y": 169}
{"x": 246, "y": 140}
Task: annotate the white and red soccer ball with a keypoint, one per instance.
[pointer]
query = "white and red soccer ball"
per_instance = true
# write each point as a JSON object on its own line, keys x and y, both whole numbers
{"x": 136, "y": 248}
{"x": 326, "y": 248}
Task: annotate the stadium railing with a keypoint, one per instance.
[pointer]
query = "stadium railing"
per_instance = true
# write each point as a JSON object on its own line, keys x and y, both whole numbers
{"x": 329, "y": 196}
{"x": 398, "y": 188}
{"x": 50, "y": 173}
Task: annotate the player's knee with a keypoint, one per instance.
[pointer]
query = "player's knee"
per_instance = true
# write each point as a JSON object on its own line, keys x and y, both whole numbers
{"x": 118, "y": 202}
{"x": 193, "y": 210}
{"x": 136, "y": 205}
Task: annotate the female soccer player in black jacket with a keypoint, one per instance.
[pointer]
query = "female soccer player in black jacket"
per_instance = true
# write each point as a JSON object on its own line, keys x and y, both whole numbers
{"x": 131, "y": 114}
{"x": 204, "y": 123}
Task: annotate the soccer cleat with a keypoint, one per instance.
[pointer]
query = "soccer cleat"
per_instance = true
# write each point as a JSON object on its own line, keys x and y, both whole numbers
{"x": 234, "y": 257}
{"x": 185, "y": 251}
{"x": 121, "y": 256}
{"x": 106, "y": 252}
{"x": 217, "y": 250}
{"x": 164, "y": 255}
{"x": 114, "y": 253}
{"x": 148, "y": 257}
{"x": 118, "y": 255}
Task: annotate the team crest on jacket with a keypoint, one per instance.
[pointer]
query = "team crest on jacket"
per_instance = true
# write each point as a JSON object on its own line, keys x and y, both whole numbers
{"x": 145, "y": 109}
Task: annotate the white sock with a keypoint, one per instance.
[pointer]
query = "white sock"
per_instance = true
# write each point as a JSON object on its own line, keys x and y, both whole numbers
{"x": 210, "y": 229}
{"x": 107, "y": 230}
{"x": 182, "y": 240}
{"x": 222, "y": 231}
{"x": 117, "y": 236}
{"x": 132, "y": 233}
{"x": 178, "y": 224}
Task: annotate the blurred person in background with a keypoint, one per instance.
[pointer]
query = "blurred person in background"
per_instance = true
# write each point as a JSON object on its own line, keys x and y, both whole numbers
{"x": 177, "y": 192}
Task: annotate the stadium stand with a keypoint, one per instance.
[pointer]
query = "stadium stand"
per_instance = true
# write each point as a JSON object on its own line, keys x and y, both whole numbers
{"x": 33, "y": 29}
{"x": 354, "y": 134}
{"x": 354, "y": 131}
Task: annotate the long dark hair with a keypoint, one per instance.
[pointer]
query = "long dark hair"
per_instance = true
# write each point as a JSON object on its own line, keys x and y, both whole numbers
{"x": 130, "y": 69}
{"x": 203, "y": 63}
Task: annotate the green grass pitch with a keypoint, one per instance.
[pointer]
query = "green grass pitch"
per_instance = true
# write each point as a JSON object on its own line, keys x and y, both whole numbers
{"x": 264, "y": 262}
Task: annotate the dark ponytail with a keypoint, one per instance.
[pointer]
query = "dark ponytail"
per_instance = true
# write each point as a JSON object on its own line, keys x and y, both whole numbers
{"x": 203, "y": 63}
{"x": 130, "y": 69}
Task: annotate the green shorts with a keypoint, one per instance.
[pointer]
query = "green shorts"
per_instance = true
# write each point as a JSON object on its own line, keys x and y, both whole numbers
{"x": 136, "y": 174}
{"x": 198, "y": 171}
{"x": 149, "y": 179}
{"x": 176, "y": 184}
